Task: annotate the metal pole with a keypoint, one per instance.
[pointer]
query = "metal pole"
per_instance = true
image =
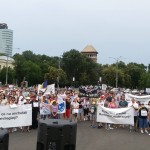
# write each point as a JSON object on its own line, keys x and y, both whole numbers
{"x": 58, "y": 71}
{"x": 7, "y": 70}
{"x": 116, "y": 59}
{"x": 117, "y": 73}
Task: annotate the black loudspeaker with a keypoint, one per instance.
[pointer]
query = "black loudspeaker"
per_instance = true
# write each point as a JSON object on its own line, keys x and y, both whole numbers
{"x": 4, "y": 139}
{"x": 56, "y": 134}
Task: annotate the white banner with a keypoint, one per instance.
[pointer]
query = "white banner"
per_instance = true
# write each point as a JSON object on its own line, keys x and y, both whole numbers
{"x": 50, "y": 89}
{"x": 115, "y": 116}
{"x": 143, "y": 99}
{"x": 15, "y": 116}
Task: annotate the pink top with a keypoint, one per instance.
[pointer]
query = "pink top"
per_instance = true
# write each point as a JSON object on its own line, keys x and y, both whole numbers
{"x": 112, "y": 105}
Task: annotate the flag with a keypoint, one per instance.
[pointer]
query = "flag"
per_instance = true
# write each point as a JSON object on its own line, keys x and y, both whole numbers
{"x": 45, "y": 84}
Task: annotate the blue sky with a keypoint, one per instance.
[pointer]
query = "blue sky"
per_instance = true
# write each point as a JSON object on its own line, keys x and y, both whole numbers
{"x": 114, "y": 27}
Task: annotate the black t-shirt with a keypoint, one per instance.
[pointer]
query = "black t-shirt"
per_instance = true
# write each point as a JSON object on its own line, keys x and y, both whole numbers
{"x": 67, "y": 105}
{"x": 80, "y": 104}
{"x": 143, "y": 112}
{"x": 93, "y": 109}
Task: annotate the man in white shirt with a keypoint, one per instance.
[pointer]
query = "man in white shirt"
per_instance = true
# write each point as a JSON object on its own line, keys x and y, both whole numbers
{"x": 135, "y": 106}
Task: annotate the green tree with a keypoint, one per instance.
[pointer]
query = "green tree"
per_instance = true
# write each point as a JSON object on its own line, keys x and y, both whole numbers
{"x": 145, "y": 80}
{"x": 31, "y": 72}
{"x": 53, "y": 75}
{"x": 135, "y": 72}
{"x": 10, "y": 75}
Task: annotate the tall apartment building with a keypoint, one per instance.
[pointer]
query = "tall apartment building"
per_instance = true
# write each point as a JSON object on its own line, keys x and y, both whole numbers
{"x": 6, "y": 40}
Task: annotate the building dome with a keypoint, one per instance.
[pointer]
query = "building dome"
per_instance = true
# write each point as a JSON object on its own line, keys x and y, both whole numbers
{"x": 4, "y": 60}
{"x": 89, "y": 48}
{"x": 90, "y": 52}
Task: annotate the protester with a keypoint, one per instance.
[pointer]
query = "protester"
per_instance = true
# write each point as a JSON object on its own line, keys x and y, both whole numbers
{"x": 111, "y": 105}
{"x": 54, "y": 110}
{"x": 26, "y": 128}
{"x": 123, "y": 103}
{"x": 109, "y": 97}
{"x": 3, "y": 100}
{"x": 43, "y": 100}
{"x": 86, "y": 105}
{"x": 12, "y": 106}
{"x": 148, "y": 117}
{"x": 135, "y": 106}
{"x": 100, "y": 102}
{"x": 68, "y": 106}
{"x": 93, "y": 114}
{"x": 75, "y": 109}
{"x": 35, "y": 110}
{"x": 80, "y": 108}
{"x": 143, "y": 114}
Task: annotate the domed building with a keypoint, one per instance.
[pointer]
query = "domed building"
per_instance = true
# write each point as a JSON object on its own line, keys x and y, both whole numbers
{"x": 6, "y": 61}
{"x": 90, "y": 52}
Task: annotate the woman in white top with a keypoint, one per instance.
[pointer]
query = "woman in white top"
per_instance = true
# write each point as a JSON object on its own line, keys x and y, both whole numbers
{"x": 86, "y": 105}
{"x": 75, "y": 108}
{"x": 3, "y": 100}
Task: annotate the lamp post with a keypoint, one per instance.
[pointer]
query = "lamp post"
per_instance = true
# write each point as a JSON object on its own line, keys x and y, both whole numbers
{"x": 117, "y": 60}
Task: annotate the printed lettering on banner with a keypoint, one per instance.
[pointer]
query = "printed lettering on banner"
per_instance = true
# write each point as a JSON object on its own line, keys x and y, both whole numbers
{"x": 143, "y": 113}
{"x": 15, "y": 117}
{"x": 115, "y": 116}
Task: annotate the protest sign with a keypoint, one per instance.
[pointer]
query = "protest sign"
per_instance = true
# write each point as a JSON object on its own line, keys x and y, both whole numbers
{"x": 50, "y": 89}
{"x": 115, "y": 116}
{"x": 61, "y": 107}
{"x": 16, "y": 116}
{"x": 44, "y": 109}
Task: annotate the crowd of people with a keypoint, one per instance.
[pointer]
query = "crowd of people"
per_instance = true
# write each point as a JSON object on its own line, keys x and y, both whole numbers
{"x": 77, "y": 108}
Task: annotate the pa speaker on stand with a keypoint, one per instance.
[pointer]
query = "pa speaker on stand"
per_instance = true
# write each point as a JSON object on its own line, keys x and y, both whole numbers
{"x": 56, "y": 134}
{"x": 4, "y": 139}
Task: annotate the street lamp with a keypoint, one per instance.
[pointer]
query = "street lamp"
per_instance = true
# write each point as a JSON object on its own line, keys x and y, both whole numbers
{"x": 117, "y": 60}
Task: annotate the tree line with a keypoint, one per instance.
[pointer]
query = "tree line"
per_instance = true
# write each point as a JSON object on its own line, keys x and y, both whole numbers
{"x": 74, "y": 68}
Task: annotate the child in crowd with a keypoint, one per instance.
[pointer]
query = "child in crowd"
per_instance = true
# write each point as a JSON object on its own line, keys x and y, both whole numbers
{"x": 54, "y": 110}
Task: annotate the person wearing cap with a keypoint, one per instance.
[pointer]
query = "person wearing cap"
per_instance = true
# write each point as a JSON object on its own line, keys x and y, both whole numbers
{"x": 143, "y": 123}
